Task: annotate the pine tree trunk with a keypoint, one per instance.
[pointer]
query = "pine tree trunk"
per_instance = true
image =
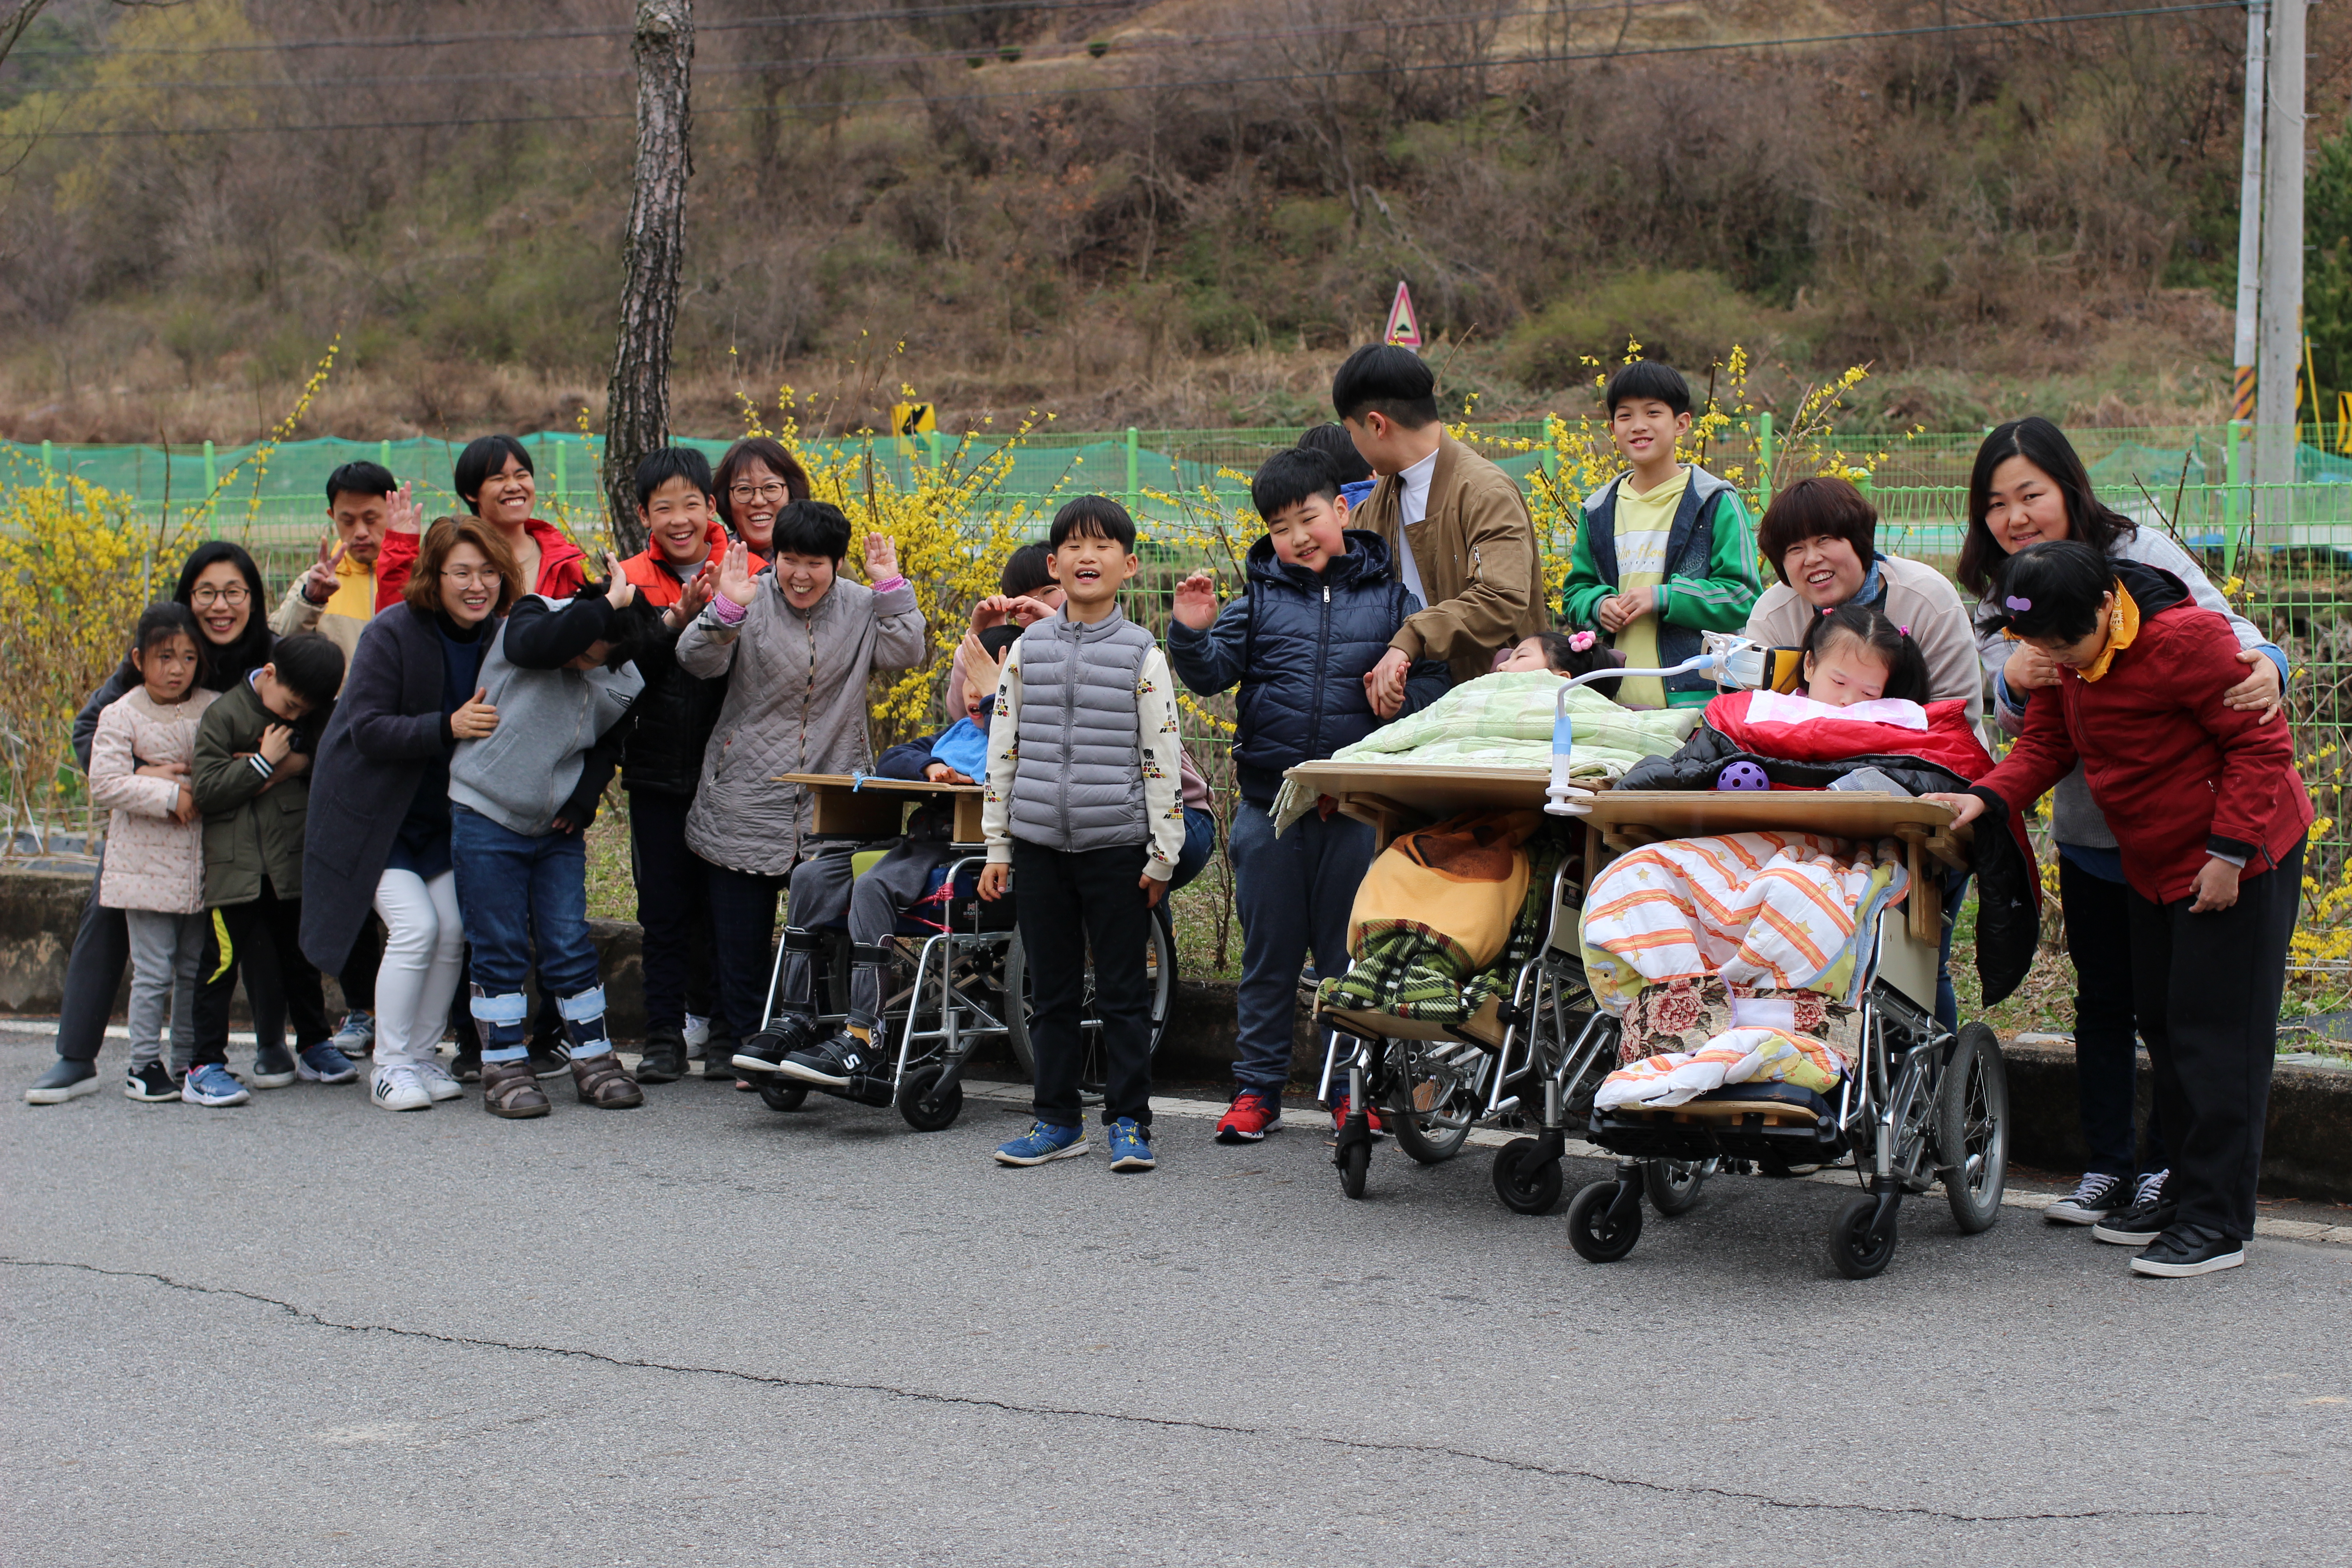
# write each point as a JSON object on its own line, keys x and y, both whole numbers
{"x": 636, "y": 409}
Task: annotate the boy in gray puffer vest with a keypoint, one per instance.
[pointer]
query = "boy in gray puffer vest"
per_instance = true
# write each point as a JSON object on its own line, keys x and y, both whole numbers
{"x": 558, "y": 675}
{"x": 1084, "y": 821}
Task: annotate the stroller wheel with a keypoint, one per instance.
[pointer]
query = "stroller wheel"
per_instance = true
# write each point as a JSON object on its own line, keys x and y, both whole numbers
{"x": 924, "y": 1112}
{"x": 1354, "y": 1162}
{"x": 1853, "y": 1249}
{"x": 1672, "y": 1186}
{"x": 782, "y": 1096}
{"x": 1600, "y": 1229}
{"x": 1526, "y": 1181}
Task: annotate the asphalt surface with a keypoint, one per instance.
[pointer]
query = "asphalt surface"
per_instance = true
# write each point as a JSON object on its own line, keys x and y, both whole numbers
{"x": 306, "y": 1330}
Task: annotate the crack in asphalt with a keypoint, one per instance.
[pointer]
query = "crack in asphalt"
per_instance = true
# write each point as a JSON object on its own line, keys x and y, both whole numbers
{"x": 1173, "y": 1423}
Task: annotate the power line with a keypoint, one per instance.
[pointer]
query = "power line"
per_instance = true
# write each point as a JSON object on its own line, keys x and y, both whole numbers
{"x": 836, "y": 105}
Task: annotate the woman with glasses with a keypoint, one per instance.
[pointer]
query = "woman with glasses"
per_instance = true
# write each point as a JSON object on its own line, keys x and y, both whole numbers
{"x": 222, "y": 587}
{"x": 758, "y": 479}
{"x": 378, "y": 835}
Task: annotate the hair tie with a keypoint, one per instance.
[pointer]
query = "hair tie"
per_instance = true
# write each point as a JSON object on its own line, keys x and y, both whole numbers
{"x": 1905, "y": 630}
{"x": 2015, "y": 602}
{"x": 1580, "y": 642}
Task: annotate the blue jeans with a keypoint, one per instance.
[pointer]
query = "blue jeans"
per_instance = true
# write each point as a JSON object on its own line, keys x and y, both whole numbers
{"x": 1200, "y": 843}
{"x": 1293, "y": 894}
{"x": 512, "y": 892}
{"x": 1947, "y": 1001}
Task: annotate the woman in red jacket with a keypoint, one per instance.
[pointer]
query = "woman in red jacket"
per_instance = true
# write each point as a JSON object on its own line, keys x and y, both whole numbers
{"x": 2209, "y": 816}
{"x": 493, "y": 476}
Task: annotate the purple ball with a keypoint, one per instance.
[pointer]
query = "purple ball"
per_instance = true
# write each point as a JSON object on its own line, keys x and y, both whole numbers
{"x": 1742, "y": 775}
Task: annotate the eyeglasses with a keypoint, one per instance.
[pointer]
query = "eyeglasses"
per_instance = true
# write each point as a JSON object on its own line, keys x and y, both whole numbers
{"x": 206, "y": 598}
{"x": 468, "y": 576}
{"x": 772, "y": 490}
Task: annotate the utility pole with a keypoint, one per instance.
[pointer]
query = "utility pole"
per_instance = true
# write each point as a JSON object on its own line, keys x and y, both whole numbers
{"x": 2279, "y": 346}
{"x": 636, "y": 408}
{"x": 2249, "y": 213}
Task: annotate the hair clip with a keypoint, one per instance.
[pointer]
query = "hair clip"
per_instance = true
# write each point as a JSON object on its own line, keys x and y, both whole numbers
{"x": 2015, "y": 602}
{"x": 1580, "y": 642}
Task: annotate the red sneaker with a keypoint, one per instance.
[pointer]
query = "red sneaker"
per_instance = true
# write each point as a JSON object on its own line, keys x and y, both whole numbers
{"x": 1250, "y": 1117}
{"x": 1372, "y": 1115}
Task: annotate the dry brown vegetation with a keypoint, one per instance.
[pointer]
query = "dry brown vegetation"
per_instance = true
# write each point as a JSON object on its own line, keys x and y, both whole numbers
{"x": 1173, "y": 213}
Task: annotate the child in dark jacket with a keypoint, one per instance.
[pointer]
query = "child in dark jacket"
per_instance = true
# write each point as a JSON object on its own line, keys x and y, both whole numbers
{"x": 520, "y": 800}
{"x": 1316, "y": 614}
{"x": 253, "y": 756}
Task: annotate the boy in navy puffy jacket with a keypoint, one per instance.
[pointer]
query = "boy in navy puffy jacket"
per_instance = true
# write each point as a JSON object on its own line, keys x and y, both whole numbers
{"x": 1320, "y": 602}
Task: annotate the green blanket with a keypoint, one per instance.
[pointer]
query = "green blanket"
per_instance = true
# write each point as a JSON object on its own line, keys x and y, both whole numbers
{"x": 1505, "y": 720}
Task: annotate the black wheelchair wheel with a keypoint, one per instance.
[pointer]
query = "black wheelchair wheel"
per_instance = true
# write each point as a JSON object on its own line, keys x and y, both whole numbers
{"x": 1596, "y": 1238}
{"x": 1972, "y": 1129}
{"x": 778, "y": 1095}
{"x": 1355, "y": 1161}
{"x": 1527, "y": 1181}
{"x": 924, "y": 1110}
{"x": 1430, "y": 1105}
{"x": 1852, "y": 1250}
{"x": 1672, "y": 1186}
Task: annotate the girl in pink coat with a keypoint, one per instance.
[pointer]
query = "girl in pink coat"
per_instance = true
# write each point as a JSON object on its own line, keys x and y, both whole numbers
{"x": 154, "y": 869}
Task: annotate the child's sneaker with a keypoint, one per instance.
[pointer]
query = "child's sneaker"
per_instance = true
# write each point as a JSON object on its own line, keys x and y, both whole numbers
{"x": 66, "y": 1079}
{"x": 273, "y": 1067}
{"x": 212, "y": 1084}
{"x": 1041, "y": 1143}
{"x": 326, "y": 1063}
{"x": 439, "y": 1081}
{"x": 465, "y": 1066}
{"x": 150, "y": 1085}
{"x": 1130, "y": 1145}
{"x": 2095, "y": 1197}
{"x": 1371, "y": 1115}
{"x": 395, "y": 1086}
{"x": 786, "y": 1035}
{"x": 834, "y": 1064}
{"x": 1250, "y": 1117}
{"x": 356, "y": 1038}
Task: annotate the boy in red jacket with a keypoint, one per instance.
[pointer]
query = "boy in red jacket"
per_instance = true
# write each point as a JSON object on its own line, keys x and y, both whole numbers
{"x": 2210, "y": 816}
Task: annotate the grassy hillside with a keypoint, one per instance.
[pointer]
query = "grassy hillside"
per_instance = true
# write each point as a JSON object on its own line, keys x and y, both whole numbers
{"x": 1175, "y": 213}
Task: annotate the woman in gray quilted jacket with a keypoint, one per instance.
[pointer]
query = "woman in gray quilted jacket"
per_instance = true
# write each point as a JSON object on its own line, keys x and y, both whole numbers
{"x": 796, "y": 642}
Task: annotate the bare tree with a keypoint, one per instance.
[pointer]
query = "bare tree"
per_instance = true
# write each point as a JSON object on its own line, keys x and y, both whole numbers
{"x": 636, "y": 408}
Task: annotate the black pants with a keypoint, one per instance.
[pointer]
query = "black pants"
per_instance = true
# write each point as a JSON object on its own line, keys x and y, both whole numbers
{"x": 358, "y": 978}
{"x": 2208, "y": 991}
{"x": 101, "y": 952}
{"x": 2106, "y": 1046}
{"x": 673, "y": 908}
{"x": 269, "y": 924}
{"x": 1068, "y": 902}
{"x": 743, "y": 934}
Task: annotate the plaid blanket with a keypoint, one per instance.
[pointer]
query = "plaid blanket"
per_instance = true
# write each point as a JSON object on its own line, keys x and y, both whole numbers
{"x": 1415, "y": 971}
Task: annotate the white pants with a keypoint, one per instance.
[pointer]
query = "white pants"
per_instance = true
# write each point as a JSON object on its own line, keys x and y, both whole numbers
{"x": 423, "y": 951}
{"x": 166, "y": 950}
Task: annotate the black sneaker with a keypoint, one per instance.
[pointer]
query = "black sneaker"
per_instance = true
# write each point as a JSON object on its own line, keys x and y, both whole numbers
{"x": 150, "y": 1085}
{"x": 665, "y": 1057}
{"x": 2149, "y": 1217}
{"x": 549, "y": 1059}
{"x": 2186, "y": 1250}
{"x": 763, "y": 1051}
{"x": 832, "y": 1064}
{"x": 2095, "y": 1197}
{"x": 273, "y": 1068}
{"x": 465, "y": 1066}
{"x": 67, "y": 1079}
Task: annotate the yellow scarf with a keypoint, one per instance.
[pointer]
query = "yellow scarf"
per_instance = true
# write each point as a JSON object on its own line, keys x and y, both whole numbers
{"x": 2122, "y": 626}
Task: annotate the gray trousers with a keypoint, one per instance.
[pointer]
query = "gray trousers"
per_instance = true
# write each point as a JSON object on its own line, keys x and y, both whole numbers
{"x": 166, "y": 950}
{"x": 827, "y": 895}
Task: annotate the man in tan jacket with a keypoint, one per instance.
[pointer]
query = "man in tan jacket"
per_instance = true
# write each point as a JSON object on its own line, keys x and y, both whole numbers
{"x": 1457, "y": 525}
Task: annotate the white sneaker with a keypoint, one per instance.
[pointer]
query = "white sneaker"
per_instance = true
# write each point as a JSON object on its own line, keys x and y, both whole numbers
{"x": 437, "y": 1080}
{"x": 696, "y": 1031}
{"x": 397, "y": 1087}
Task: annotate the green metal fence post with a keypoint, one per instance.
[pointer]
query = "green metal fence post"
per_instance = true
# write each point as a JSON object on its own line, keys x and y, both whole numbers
{"x": 211, "y": 478}
{"x": 1134, "y": 481}
{"x": 1763, "y": 461}
{"x": 935, "y": 440}
{"x": 1551, "y": 447}
{"x": 562, "y": 478}
{"x": 48, "y": 463}
{"x": 2230, "y": 508}
{"x": 384, "y": 455}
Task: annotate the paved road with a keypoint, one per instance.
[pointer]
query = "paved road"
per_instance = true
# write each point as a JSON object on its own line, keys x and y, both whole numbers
{"x": 309, "y": 1332}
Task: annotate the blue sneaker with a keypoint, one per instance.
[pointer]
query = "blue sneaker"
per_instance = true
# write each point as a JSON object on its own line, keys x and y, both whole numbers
{"x": 323, "y": 1063}
{"x": 1130, "y": 1145}
{"x": 356, "y": 1038}
{"x": 212, "y": 1085}
{"x": 1041, "y": 1143}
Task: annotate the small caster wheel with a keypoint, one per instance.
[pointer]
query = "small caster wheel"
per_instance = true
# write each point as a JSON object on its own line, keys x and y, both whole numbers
{"x": 1354, "y": 1162}
{"x": 926, "y": 1112}
{"x": 1525, "y": 1179}
{"x": 1855, "y": 1254}
{"x": 783, "y": 1096}
{"x": 1672, "y": 1186}
{"x": 1596, "y": 1238}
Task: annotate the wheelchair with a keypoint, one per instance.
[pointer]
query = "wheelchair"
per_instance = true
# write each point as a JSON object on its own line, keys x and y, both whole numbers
{"x": 956, "y": 980}
{"x": 1535, "y": 1056}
